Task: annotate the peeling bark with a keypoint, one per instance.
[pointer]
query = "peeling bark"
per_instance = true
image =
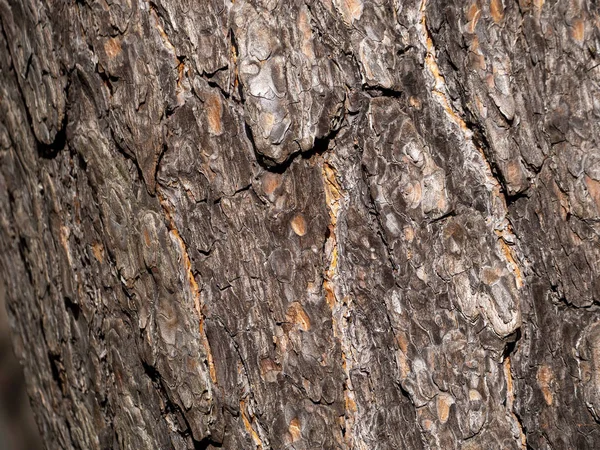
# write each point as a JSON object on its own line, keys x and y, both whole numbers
{"x": 319, "y": 224}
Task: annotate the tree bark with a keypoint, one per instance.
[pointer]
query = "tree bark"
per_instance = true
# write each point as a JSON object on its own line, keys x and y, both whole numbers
{"x": 321, "y": 224}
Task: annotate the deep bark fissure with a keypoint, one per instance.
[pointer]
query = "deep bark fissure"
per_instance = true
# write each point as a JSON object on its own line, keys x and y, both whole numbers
{"x": 374, "y": 212}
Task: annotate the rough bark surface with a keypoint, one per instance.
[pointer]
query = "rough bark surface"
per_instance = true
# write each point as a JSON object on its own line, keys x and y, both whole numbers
{"x": 304, "y": 224}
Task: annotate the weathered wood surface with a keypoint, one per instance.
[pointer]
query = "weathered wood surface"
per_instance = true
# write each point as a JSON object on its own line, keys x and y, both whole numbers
{"x": 320, "y": 224}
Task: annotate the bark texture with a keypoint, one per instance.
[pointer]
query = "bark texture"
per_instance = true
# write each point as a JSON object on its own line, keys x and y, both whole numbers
{"x": 304, "y": 224}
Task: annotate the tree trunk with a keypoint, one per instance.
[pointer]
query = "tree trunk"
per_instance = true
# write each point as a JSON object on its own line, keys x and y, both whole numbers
{"x": 321, "y": 224}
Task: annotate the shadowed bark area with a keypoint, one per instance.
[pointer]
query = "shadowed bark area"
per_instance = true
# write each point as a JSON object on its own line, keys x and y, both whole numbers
{"x": 310, "y": 225}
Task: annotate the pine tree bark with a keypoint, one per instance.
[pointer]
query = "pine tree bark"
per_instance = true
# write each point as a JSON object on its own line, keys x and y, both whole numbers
{"x": 321, "y": 224}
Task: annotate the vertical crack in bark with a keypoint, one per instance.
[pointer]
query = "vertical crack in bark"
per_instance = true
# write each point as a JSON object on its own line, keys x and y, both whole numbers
{"x": 339, "y": 309}
{"x": 502, "y": 226}
{"x": 234, "y": 84}
{"x": 179, "y": 89}
{"x": 510, "y": 398}
{"x": 193, "y": 285}
{"x": 179, "y": 60}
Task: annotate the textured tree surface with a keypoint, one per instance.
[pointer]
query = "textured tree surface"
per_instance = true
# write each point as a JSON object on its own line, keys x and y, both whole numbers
{"x": 321, "y": 224}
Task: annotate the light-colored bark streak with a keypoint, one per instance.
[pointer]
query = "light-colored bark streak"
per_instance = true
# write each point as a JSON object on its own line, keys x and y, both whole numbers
{"x": 509, "y": 254}
{"x": 510, "y": 398}
{"x": 339, "y": 309}
{"x": 161, "y": 30}
{"x": 193, "y": 285}
{"x": 502, "y": 227}
{"x": 248, "y": 424}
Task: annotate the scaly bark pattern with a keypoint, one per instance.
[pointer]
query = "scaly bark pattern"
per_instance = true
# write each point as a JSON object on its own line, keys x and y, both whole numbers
{"x": 258, "y": 224}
